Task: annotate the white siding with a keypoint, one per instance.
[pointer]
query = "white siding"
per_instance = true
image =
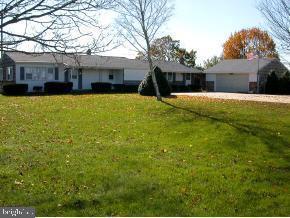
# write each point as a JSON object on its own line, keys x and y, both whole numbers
{"x": 90, "y": 76}
{"x": 97, "y": 75}
{"x": 253, "y": 77}
{"x": 32, "y": 83}
{"x": 134, "y": 75}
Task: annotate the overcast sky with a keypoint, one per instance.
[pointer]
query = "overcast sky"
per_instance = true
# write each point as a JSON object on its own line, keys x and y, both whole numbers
{"x": 204, "y": 25}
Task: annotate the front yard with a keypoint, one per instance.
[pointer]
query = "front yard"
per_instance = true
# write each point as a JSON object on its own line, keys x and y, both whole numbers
{"x": 125, "y": 155}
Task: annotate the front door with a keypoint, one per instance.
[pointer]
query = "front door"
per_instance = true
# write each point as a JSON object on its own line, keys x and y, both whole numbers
{"x": 187, "y": 79}
{"x": 80, "y": 79}
{"x": 67, "y": 75}
{"x": 74, "y": 78}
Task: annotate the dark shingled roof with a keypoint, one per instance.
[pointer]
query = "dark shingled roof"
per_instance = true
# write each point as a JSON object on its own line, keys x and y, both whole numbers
{"x": 242, "y": 66}
{"x": 96, "y": 61}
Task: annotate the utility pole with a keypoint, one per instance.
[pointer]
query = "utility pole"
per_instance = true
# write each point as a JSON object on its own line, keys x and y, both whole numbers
{"x": 258, "y": 73}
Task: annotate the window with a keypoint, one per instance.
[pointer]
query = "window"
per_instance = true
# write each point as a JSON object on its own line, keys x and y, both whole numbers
{"x": 56, "y": 73}
{"x": 170, "y": 76}
{"x": 22, "y": 73}
{"x": 50, "y": 74}
{"x": 187, "y": 76}
{"x": 36, "y": 73}
{"x": 74, "y": 74}
{"x": 111, "y": 76}
{"x": 1, "y": 74}
{"x": 28, "y": 76}
{"x": 10, "y": 75}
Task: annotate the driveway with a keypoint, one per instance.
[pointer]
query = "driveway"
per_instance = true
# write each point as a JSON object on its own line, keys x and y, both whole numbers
{"x": 237, "y": 96}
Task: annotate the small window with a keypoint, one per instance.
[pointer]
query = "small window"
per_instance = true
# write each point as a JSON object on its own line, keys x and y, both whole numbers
{"x": 111, "y": 76}
{"x": 188, "y": 76}
{"x": 74, "y": 74}
{"x": 50, "y": 74}
{"x": 170, "y": 76}
{"x": 35, "y": 74}
{"x": 10, "y": 73}
{"x": 28, "y": 76}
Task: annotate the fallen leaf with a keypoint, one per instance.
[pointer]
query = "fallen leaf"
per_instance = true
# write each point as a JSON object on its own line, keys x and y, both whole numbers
{"x": 164, "y": 150}
{"x": 18, "y": 182}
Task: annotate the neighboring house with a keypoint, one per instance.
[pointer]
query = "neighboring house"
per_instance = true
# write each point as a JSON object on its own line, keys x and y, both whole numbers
{"x": 241, "y": 75}
{"x": 82, "y": 70}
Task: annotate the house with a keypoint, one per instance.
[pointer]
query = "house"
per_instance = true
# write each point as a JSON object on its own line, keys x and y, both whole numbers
{"x": 35, "y": 69}
{"x": 242, "y": 75}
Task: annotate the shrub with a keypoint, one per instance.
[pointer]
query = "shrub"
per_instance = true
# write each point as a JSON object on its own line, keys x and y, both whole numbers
{"x": 285, "y": 84}
{"x": 277, "y": 85}
{"x": 118, "y": 88}
{"x": 101, "y": 87}
{"x": 146, "y": 87}
{"x": 15, "y": 89}
{"x": 131, "y": 88}
{"x": 58, "y": 87}
{"x": 272, "y": 84}
{"x": 122, "y": 88}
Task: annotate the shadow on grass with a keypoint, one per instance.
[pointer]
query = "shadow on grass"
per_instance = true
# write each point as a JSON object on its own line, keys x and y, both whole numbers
{"x": 275, "y": 142}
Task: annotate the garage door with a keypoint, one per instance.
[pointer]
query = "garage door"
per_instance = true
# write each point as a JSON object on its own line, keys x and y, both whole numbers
{"x": 232, "y": 82}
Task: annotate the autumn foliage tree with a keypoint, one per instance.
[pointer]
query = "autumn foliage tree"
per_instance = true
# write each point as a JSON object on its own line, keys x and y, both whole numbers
{"x": 168, "y": 49}
{"x": 249, "y": 41}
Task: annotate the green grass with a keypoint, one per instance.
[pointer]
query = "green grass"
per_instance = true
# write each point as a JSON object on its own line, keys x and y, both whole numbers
{"x": 125, "y": 155}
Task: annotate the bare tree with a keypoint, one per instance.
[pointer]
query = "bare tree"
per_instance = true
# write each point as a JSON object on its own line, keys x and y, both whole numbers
{"x": 140, "y": 20}
{"x": 277, "y": 13}
{"x": 52, "y": 25}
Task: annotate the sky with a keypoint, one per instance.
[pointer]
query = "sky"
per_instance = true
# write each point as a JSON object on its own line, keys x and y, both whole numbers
{"x": 204, "y": 25}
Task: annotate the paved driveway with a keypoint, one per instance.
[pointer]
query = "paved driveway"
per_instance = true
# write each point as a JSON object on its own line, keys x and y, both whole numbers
{"x": 236, "y": 96}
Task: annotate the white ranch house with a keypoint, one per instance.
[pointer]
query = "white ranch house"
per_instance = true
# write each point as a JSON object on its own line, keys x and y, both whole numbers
{"x": 36, "y": 69}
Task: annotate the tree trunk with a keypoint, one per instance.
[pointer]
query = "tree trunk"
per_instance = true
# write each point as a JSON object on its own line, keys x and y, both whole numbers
{"x": 159, "y": 98}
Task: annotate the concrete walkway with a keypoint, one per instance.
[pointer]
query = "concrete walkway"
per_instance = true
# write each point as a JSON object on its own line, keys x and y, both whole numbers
{"x": 237, "y": 96}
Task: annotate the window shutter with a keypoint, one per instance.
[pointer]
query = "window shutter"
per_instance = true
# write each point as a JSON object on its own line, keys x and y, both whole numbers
{"x": 22, "y": 73}
{"x": 56, "y": 73}
{"x": 174, "y": 77}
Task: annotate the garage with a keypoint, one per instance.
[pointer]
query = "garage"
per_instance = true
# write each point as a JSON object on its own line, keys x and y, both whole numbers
{"x": 232, "y": 83}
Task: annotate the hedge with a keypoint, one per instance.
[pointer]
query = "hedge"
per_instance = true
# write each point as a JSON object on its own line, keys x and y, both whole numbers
{"x": 122, "y": 88}
{"x": 101, "y": 87}
{"x": 58, "y": 87}
{"x": 131, "y": 88}
{"x": 15, "y": 89}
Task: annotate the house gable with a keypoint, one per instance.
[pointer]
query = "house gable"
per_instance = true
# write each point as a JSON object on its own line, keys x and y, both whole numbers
{"x": 8, "y": 62}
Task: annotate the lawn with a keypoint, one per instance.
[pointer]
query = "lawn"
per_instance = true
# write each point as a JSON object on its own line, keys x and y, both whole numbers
{"x": 126, "y": 155}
